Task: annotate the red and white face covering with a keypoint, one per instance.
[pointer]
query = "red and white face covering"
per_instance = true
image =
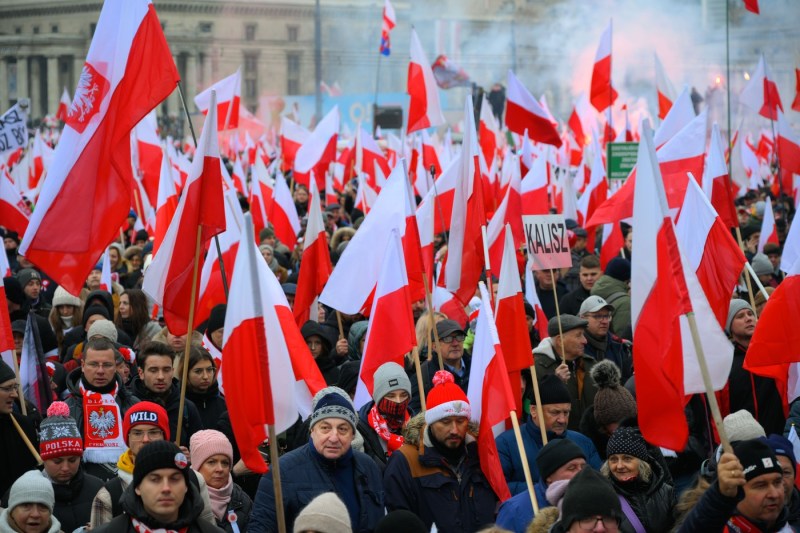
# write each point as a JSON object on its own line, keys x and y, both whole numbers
{"x": 103, "y": 441}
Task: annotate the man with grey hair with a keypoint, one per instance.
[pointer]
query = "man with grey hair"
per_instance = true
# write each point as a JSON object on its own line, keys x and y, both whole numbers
{"x": 327, "y": 463}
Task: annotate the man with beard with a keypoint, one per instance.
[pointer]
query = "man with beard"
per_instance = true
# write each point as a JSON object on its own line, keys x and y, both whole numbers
{"x": 156, "y": 383}
{"x": 440, "y": 480}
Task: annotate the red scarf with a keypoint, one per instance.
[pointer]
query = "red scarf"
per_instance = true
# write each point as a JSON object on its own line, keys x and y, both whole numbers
{"x": 103, "y": 441}
{"x": 381, "y": 427}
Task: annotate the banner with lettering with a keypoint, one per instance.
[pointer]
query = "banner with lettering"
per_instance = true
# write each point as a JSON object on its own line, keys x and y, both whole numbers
{"x": 14, "y": 127}
{"x": 547, "y": 241}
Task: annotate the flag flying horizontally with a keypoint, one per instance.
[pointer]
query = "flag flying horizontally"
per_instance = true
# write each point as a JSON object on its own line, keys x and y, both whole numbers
{"x": 200, "y": 213}
{"x": 761, "y": 92}
{"x": 33, "y": 376}
{"x": 315, "y": 268}
{"x": 390, "y": 334}
{"x": 388, "y": 24}
{"x": 424, "y": 110}
{"x": 229, "y": 94}
{"x": 129, "y": 70}
{"x": 264, "y": 354}
{"x": 525, "y": 115}
{"x": 602, "y": 93}
{"x": 283, "y": 214}
{"x": 489, "y": 392}
{"x": 318, "y": 151}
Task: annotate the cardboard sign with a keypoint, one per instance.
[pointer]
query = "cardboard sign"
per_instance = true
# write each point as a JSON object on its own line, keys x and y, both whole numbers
{"x": 13, "y": 128}
{"x": 547, "y": 241}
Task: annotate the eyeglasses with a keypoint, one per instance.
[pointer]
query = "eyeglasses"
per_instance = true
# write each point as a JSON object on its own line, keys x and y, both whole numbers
{"x": 105, "y": 366}
{"x": 603, "y": 317}
{"x": 138, "y": 434}
{"x": 454, "y": 337}
{"x": 10, "y": 389}
{"x": 588, "y": 524}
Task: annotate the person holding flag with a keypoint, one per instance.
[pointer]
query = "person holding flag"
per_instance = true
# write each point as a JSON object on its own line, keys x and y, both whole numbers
{"x": 15, "y": 457}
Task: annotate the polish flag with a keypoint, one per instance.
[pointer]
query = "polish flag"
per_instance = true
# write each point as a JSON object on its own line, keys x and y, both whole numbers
{"x": 489, "y": 392}
{"x": 526, "y": 156}
{"x": 488, "y": 132}
{"x": 595, "y": 193}
{"x": 283, "y": 213}
{"x": 200, "y": 211}
{"x": 14, "y": 212}
{"x": 679, "y": 116}
{"x": 292, "y": 137}
{"x": 7, "y": 352}
{"x": 315, "y": 268}
{"x": 533, "y": 189}
{"x": 710, "y": 249}
{"x": 665, "y": 91}
{"x": 424, "y": 110}
{"x": 105, "y": 274}
{"x": 239, "y": 177}
{"x": 512, "y": 326}
{"x": 63, "y": 109}
{"x": 423, "y": 182}
{"x": 318, "y": 151}
{"x": 260, "y": 195}
{"x": 386, "y": 28}
{"x": 613, "y": 242}
{"x": 180, "y": 165}
{"x": 330, "y": 191}
{"x": 717, "y": 182}
{"x": 761, "y": 93}
{"x": 796, "y": 102}
{"x": 229, "y": 94}
{"x": 523, "y": 112}
{"x": 425, "y": 219}
{"x": 540, "y": 320}
{"x": 680, "y": 156}
{"x": 148, "y": 154}
{"x": 265, "y": 355}
{"x": 250, "y": 147}
{"x": 582, "y": 121}
{"x": 430, "y": 155}
{"x": 390, "y": 334}
{"x": 751, "y": 6}
{"x": 144, "y": 209}
{"x": 33, "y": 376}
{"x": 464, "y": 263}
{"x": 365, "y": 196}
{"x": 769, "y": 232}
{"x": 788, "y": 146}
{"x": 368, "y": 155}
{"x": 41, "y": 159}
{"x": 509, "y": 213}
{"x": 791, "y": 248}
{"x": 167, "y": 202}
{"x": 446, "y": 302}
{"x": 603, "y": 93}
{"x": 129, "y": 70}
{"x": 626, "y": 134}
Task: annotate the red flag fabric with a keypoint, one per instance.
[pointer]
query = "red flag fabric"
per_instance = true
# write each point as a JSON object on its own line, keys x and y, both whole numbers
{"x": 524, "y": 112}
{"x": 509, "y": 213}
{"x": 603, "y": 94}
{"x": 167, "y": 202}
{"x": 539, "y": 319}
{"x": 612, "y": 244}
{"x": 489, "y": 132}
{"x": 390, "y": 334}
{"x": 788, "y": 146}
{"x": 292, "y": 137}
{"x": 386, "y": 28}
{"x": 533, "y": 189}
{"x": 265, "y": 355}
{"x": 751, "y": 6}
{"x": 658, "y": 298}
{"x": 7, "y": 352}
{"x": 761, "y": 93}
{"x": 168, "y": 279}
{"x": 796, "y": 102}
{"x": 318, "y": 151}
{"x": 63, "y": 106}
{"x": 489, "y": 392}
{"x": 129, "y": 70}
{"x": 424, "y": 109}
{"x": 680, "y": 115}
{"x": 596, "y": 191}
{"x": 717, "y": 182}
{"x": 665, "y": 92}
{"x": 315, "y": 267}
{"x": 260, "y": 194}
{"x": 14, "y": 212}
{"x": 283, "y": 213}
{"x": 229, "y": 94}
{"x": 512, "y": 327}
{"x": 148, "y": 154}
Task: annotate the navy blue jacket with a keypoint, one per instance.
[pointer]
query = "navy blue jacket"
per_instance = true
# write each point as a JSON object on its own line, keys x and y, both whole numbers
{"x": 304, "y": 476}
{"x": 617, "y": 351}
{"x": 516, "y": 513}
{"x": 532, "y": 438}
{"x": 458, "y": 500}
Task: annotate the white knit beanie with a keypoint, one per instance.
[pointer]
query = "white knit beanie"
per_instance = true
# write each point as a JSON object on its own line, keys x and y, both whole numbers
{"x": 62, "y": 297}
{"x": 324, "y": 514}
{"x": 32, "y": 487}
{"x": 742, "y": 426}
{"x": 103, "y": 328}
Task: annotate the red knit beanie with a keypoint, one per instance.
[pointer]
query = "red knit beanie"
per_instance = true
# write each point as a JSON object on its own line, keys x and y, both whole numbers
{"x": 145, "y": 413}
{"x": 445, "y": 399}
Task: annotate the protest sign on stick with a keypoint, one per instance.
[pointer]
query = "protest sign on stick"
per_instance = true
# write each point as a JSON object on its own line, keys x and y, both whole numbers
{"x": 13, "y": 127}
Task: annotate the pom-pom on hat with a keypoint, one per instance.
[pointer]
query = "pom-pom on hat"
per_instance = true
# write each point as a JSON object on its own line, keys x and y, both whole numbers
{"x": 612, "y": 402}
{"x": 58, "y": 433}
{"x": 445, "y": 399}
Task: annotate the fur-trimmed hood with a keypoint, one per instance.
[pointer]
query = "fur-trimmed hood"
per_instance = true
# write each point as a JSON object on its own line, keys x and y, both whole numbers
{"x": 417, "y": 424}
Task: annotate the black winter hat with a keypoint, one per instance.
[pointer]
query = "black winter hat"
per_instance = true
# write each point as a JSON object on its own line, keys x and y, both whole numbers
{"x": 95, "y": 310}
{"x": 552, "y": 390}
{"x": 401, "y": 521}
{"x": 13, "y": 289}
{"x": 627, "y": 441}
{"x": 6, "y": 372}
{"x": 756, "y": 457}
{"x": 556, "y": 454}
{"x": 159, "y": 454}
{"x": 217, "y": 318}
{"x": 588, "y": 494}
{"x": 619, "y": 268}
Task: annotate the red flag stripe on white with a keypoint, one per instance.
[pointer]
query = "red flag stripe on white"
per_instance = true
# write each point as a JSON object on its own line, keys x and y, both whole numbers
{"x": 424, "y": 109}
{"x": 229, "y": 92}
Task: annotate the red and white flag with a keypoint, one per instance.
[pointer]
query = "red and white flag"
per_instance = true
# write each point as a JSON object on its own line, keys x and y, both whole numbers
{"x": 717, "y": 182}
{"x": 292, "y": 137}
{"x": 260, "y": 194}
{"x": 229, "y": 94}
{"x": 390, "y": 334}
{"x": 583, "y": 120}
{"x": 14, "y": 212}
{"x": 7, "y": 352}
{"x": 488, "y": 132}
{"x": 330, "y": 190}
{"x": 238, "y": 176}
{"x": 148, "y": 154}
{"x": 761, "y": 92}
{"x": 283, "y": 213}
{"x": 679, "y": 116}
{"x": 386, "y": 28}
{"x": 788, "y": 146}
{"x": 318, "y": 151}
{"x": 365, "y": 196}
{"x": 509, "y": 213}
{"x": 167, "y": 202}
{"x": 796, "y": 102}
{"x": 533, "y": 189}
{"x": 612, "y": 245}
{"x": 129, "y": 70}
{"x": 665, "y": 91}
{"x": 769, "y": 231}
{"x": 40, "y": 159}
{"x": 595, "y": 193}
{"x": 489, "y": 392}
{"x": 368, "y": 156}
{"x": 602, "y": 93}
{"x": 33, "y": 376}
{"x": 424, "y": 110}
{"x": 105, "y": 274}
{"x": 63, "y": 106}
{"x": 524, "y": 112}
{"x": 200, "y": 212}
{"x": 540, "y": 319}
{"x": 315, "y": 268}
{"x": 265, "y": 355}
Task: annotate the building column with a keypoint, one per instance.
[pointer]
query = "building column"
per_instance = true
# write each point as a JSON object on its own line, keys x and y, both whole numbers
{"x": 77, "y": 67}
{"x": 36, "y": 75}
{"x": 4, "y": 92}
{"x": 53, "y": 90}
{"x": 190, "y": 86}
{"x": 173, "y": 100}
{"x": 22, "y": 78}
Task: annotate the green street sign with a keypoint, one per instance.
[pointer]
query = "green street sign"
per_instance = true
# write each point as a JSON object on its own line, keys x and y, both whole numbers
{"x": 621, "y": 158}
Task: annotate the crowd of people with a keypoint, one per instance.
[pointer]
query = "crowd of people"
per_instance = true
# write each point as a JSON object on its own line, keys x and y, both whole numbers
{"x": 106, "y": 456}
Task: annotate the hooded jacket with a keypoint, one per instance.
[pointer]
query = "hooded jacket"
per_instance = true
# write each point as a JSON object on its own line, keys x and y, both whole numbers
{"x": 192, "y": 423}
{"x": 125, "y": 399}
{"x": 616, "y": 293}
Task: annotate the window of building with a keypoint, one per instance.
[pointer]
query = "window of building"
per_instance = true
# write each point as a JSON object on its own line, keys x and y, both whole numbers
{"x": 206, "y": 27}
{"x": 54, "y": 28}
{"x": 250, "y": 32}
{"x": 18, "y": 30}
{"x": 292, "y": 86}
{"x": 293, "y": 32}
{"x": 293, "y": 63}
{"x": 92, "y": 27}
{"x": 35, "y": 30}
{"x": 250, "y": 64}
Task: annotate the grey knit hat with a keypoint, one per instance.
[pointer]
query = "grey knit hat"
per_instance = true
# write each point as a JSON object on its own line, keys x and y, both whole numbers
{"x": 736, "y": 305}
{"x": 761, "y": 265}
{"x": 62, "y": 297}
{"x": 389, "y": 377}
{"x": 324, "y": 514}
{"x": 742, "y": 426}
{"x": 32, "y": 487}
{"x": 103, "y": 328}
{"x": 333, "y": 402}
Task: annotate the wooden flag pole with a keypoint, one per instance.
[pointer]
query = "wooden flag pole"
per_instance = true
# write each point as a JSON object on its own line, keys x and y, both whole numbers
{"x": 429, "y": 303}
{"x": 274, "y": 465}
{"x": 524, "y": 457}
{"x": 558, "y": 317}
{"x": 190, "y": 328}
{"x": 339, "y": 321}
{"x": 746, "y": 277}
{"x": 25, "y": 438}
{"x": 712, "y": 399}
{"x": 418, "y": 366}
{"x": 538, "y": 399}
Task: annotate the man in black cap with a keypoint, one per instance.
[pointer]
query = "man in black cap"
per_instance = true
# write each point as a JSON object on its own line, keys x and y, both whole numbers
{"x": 161, "y": 496}
{"x": 31, "y": 282}
{"x": 556, "y": 408}
{"x": 559, "y": 460}
{"x": 456, "y": 360}
{"x": 562, "y": 354}
{"x": 614, "y": 287}
{"x": 748, "y": 494}
{"x": 590, "y": 504}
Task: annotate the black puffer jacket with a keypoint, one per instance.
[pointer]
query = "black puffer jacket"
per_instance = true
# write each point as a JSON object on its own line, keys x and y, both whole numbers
{"x": 74, "y": 500}
{"x": 239, "y": 508}
{"x": 210, "y": 404}
{"x": 652, "y": 501}
{"x": 125, "y": 399}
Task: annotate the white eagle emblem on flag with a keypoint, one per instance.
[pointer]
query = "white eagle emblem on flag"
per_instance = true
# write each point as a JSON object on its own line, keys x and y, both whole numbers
{"x": 92, "y": 88}
{"x": 102, "y": 423}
